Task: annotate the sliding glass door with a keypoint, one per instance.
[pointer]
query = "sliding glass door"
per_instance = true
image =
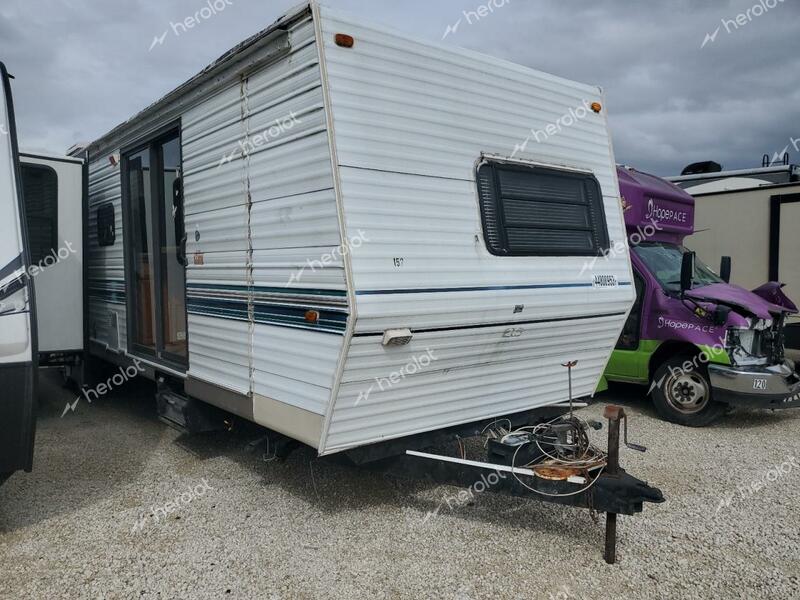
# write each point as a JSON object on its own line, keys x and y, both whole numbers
{"x": 155, "y": 243}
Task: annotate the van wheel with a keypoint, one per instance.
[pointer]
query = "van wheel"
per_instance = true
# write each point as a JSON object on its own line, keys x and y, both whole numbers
{"x": 685, "y": 397}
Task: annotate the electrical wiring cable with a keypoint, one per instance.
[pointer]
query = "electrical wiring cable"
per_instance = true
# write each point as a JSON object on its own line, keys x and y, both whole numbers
{"x": 586, "y": 456}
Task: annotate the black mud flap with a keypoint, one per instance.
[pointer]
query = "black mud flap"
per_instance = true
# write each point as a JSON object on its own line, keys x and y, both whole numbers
{"x": 17, "y": 418}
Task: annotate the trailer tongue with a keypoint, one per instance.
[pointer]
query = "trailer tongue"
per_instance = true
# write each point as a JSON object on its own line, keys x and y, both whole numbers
{"x": 543, "y": 455}
{"x": 551, "y": 462}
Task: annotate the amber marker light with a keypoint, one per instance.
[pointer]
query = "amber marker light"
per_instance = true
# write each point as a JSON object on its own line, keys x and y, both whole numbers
{"x": 312, "y": 316}
{"x": 597, "y": 107}
{"x": 344, "y": 40}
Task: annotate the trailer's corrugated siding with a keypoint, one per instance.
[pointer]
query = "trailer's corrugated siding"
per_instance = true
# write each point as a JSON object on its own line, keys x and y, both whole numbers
{"x": 433, "y": 225}
{"x": 260, "y": 213}
{"x": 468, "y": 375}
{"x": 257, "y": 211}
{"x": 295, "y": 366}
{"x": 106, "y": 268}
{"x": 411, "y": 121}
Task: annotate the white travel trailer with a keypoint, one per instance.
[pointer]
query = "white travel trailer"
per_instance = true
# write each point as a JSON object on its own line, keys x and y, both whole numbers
{"x": 350, "y": 236}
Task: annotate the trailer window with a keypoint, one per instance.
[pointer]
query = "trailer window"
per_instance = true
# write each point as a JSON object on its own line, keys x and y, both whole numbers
{"x": 40, "y": 190}
{"x": 106, "y": 225}
{"x": 537, "y": 211}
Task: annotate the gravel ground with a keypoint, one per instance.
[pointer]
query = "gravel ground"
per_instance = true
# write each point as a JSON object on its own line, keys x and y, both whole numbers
{"x": 80, "y": 526}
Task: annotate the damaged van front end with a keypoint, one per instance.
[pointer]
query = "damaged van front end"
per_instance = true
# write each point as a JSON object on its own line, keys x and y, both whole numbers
{"x": 759, "y": 374}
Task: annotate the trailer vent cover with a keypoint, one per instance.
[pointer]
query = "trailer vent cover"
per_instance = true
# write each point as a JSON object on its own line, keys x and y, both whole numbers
{"x": 530, "y": 210}
{"x": 397, "y": 337}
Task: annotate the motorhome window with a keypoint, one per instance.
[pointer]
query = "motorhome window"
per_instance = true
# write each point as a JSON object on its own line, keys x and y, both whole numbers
{"x": 538, "y": 211}
{"x": 106, "y": 225}
{"x": 663, "y": 260}
{"x": 40, "y": 190}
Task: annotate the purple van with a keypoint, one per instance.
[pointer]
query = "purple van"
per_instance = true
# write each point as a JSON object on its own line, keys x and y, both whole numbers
{"x": 699, "y": 342}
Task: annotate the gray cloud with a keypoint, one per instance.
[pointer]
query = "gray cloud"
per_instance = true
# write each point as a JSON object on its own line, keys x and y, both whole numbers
{"x": 83, "y": 66}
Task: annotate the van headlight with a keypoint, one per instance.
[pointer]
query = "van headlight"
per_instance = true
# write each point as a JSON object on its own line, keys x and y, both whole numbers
{"x": 744, "y": 346}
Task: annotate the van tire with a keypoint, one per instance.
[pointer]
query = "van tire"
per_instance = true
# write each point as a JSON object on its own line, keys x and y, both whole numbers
{"x": 685, "y": 397}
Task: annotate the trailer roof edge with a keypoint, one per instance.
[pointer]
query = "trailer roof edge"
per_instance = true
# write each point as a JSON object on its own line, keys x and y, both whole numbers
{"x": 248, "y": 46}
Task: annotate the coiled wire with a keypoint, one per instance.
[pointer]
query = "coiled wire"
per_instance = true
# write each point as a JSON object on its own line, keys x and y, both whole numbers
{"x": 581, "y": 454}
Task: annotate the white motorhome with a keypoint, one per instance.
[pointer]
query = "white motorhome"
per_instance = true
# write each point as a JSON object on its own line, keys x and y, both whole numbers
{"x": 340, "y": 233}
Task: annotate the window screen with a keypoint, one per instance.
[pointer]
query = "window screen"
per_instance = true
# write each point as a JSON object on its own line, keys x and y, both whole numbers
{"x": 40, "y": 190}
{"x": 106, "y": 225}
{"x": 536, "y": 211}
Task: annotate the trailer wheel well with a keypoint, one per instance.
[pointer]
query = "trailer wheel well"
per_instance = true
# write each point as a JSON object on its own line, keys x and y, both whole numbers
{"x": 667, "y": 350}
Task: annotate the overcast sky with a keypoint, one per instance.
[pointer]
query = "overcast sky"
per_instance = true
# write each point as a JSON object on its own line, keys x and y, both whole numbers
{"x": 84, "y": 66}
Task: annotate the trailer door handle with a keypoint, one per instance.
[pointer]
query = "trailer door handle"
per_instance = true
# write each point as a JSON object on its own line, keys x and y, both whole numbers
{"x": 178, "y": 217}
{"x": 181, "y": 252}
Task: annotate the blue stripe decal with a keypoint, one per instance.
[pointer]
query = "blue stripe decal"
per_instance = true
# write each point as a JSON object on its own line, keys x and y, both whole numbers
{"x": 481, "y": 289}
{"x": 291, "y": 324}
{"x": 294, "y": 291}
{"x": 270, "y": 314}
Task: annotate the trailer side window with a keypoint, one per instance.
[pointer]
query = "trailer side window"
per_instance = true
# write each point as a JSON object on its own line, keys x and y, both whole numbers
{"x": 538, "y": 211}
{"x": 40, "y": 190}
{"x": 106, "y": 225}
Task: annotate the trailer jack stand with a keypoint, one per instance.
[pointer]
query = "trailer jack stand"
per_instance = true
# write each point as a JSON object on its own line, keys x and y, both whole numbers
{"x": 615, "y": 416}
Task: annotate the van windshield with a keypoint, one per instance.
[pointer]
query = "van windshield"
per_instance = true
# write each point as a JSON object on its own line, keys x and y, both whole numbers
{"x": 664, "y": 262}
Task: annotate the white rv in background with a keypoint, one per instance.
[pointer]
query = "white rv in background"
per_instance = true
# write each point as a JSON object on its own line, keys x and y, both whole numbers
{"x": 18, "y": 343}
{"x": 41, "y": 249}
{"x": 340, "y": 233}
{"x": 52, "y": 188}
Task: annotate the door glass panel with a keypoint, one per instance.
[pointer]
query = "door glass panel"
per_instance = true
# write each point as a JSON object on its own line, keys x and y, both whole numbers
{"x": 173, "y": 288}
{"x": 631, "y": 333}
{"x": 157, "y": 275}
{"x": 40, "y": 190}
{"x": 141, "y": 202}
